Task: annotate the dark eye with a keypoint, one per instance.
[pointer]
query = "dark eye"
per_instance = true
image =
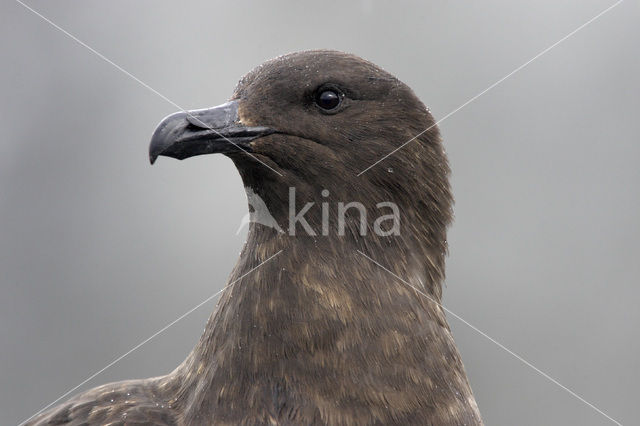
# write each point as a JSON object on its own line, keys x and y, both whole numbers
{"x": 328, "y": 99}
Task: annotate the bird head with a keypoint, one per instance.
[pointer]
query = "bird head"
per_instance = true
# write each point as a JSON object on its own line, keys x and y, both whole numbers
{"x": 320, "y": 122}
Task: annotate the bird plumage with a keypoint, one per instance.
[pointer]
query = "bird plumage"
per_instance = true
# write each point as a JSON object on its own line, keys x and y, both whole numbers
{"x": 319, "y": 334}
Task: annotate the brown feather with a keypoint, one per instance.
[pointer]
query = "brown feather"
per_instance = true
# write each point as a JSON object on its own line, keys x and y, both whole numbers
{"x": 320, "y": 334}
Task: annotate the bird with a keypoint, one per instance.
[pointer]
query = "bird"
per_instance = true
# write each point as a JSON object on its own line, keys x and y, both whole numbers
{"x": 328, "y": 317}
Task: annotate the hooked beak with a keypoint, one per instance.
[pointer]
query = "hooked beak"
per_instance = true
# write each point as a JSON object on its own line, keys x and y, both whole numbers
{"x": 203, "y": 131}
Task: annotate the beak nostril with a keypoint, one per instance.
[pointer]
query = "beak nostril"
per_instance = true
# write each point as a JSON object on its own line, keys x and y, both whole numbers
{"x": 197, "y": 122}
{"x": 214, "y": 118}
{"x": 195, "y": 125}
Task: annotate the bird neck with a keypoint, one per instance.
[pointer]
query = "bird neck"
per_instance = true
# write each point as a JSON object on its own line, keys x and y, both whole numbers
{"x": 303, "y": 312}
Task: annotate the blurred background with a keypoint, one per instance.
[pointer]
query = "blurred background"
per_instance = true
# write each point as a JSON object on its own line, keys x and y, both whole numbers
{"x": 98, "y": 250}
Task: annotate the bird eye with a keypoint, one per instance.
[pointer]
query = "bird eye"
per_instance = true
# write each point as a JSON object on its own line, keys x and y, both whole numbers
{"x": 328, "y": 99}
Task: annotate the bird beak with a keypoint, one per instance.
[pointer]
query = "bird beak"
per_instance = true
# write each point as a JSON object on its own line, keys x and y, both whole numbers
{"x": 203, "y": 131}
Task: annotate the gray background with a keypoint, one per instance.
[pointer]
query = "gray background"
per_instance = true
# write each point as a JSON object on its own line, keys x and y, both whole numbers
{"x": 98, "y": 250}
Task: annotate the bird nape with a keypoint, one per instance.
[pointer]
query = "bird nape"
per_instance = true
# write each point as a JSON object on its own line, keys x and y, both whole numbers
{"x": 311, "y": 329}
